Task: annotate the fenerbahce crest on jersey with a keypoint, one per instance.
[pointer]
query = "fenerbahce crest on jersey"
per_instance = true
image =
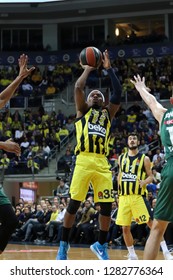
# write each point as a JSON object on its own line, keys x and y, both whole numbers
{"x": 93, "y": 131}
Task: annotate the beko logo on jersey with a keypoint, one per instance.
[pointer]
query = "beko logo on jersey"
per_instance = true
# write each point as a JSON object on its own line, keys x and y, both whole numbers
{"x": 96, "y": 129}
{"x": 129, "y": 176}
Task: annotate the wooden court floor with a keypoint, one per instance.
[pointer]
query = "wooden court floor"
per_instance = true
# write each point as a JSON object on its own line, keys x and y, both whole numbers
{"x": 41, "y": 252}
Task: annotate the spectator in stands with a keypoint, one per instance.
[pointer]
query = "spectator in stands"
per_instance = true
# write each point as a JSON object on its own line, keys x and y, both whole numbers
{"x": 4, "y": 162}
{"x": 110, "y": 236}
{"x": 43, "y": 220}
{"x": 46, "y": 149}
{"x": 26, "y": 229}
{"x": 44, "y": 116}
{"x": 16, "y": 124}
{"x": 147, "y": 112}
{"x": 36, "y": 77}
{"x": 45, "y": 128}
{"x": 7, "y": 132}
{"x": 53, "y": 217}
{"x": 65, "y": 162}
{"x": 18, "y": 213}
{"x": 62, "y": 190}
{"x": 70, "y": 125}
{"x": 19, "y": 134}
{"x": 131, "y": 119}
{"x": 50, "y": 69}
{"x": 51, "y": 90}
{"x": 113, "y": 157}
{"x": 63, "y": 132}
{"x": 24, "y": 217}
{"x": 16, "y": 115}
{"x": 143, "y": 124}
{"x": 143, "y": 147}
{"x": 24, "y": 144}
{"x": 40, "y": 157}
{"x": 84, "y": 222}
{"x": 60, "y": 117}
{"x": 27, "y": 88}
{"x": 150, "y": 155}
{"x": 158, "y": 154}
{"x": 158, "y": 164}
{"x": 135, "y": 108}
{"x": 118, "y": 146}
{"x": 156, "y": 176}
{"x": 55, "y": 226}
{"x": 56, "y": 201}
{"x": 155, "y": 143}
{"x": 32, "y": 165}
{"x": 31, "y": 126}
{"x": 122, "y": 116}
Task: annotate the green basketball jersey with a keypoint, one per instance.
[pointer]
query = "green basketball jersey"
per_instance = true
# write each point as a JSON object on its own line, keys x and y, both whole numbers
{"x": 167, "y": 132}
{"x": 3, "y": 198}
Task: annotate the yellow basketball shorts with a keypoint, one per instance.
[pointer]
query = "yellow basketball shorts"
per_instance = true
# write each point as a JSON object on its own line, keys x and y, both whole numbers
{"x": 132, "y": 206}
{"x": 95, "y": 169}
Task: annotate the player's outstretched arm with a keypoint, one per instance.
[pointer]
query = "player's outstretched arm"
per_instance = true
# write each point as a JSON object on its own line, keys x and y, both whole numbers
{"x": 8, "y": 92}
{"x": 156, "y": 108}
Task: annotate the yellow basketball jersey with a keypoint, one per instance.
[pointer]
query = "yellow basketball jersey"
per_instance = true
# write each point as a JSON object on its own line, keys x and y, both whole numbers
{"x": 93, "y": 132}
{"x": 131, "y": 171}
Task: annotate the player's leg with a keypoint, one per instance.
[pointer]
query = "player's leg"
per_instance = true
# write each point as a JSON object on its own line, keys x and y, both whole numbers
{"x": 103, "y": 193}
{"x": 8, "y": 224}
{"x": 78, "y": 190}
{"x": 153, "y": 242}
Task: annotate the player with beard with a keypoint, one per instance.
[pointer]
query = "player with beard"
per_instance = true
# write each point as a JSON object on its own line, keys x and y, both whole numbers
{"x": 134, "y": 175}
{"x": 93, "y": 123}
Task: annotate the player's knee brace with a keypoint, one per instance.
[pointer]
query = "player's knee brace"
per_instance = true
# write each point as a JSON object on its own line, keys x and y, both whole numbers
{"x": 73, "y": 206}
{"x": 106, "y": 208}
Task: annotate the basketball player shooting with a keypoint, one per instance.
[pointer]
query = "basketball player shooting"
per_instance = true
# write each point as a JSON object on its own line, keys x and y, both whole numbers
{"x": 93, "y": 123}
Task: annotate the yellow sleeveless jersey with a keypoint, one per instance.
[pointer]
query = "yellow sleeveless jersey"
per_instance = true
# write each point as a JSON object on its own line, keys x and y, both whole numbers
{"x": 131, "y": 171}
{"x": 93, "y": 132}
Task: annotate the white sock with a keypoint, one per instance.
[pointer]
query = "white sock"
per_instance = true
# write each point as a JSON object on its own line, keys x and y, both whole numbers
{"x": 164, "y": 247}
{"x": 131, "y": 250}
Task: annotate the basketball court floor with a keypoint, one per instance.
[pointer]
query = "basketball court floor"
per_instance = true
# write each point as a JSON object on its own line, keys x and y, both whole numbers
{"x": 28, "y": 251}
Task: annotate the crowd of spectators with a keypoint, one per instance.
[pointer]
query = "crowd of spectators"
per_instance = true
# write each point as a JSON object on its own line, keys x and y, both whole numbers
{"x": 48, "y": 81}
{"x": 37, "y": 133}
{"x": 52, "y": 79}
{"x": 157, "y": 73}
{"x": 42, "y": 222}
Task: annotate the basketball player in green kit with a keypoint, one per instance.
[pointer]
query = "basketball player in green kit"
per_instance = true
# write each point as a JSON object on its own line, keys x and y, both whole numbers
{"x": 163, "y": 213}
{"x": 8, "y": 220}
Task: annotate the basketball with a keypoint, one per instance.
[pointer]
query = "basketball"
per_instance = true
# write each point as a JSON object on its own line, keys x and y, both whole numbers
{"x": 91, "y": 56}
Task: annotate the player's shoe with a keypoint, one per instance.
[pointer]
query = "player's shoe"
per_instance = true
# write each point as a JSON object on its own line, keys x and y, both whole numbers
{"x": 132, "y": 257}
{"x": 100, "y": 250}
{"x": 167, "y": 256}
{"x": 63, "y": 250}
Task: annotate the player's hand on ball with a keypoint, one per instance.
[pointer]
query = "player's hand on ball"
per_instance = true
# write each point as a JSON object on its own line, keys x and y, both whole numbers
{"x": 87, "y": 67}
